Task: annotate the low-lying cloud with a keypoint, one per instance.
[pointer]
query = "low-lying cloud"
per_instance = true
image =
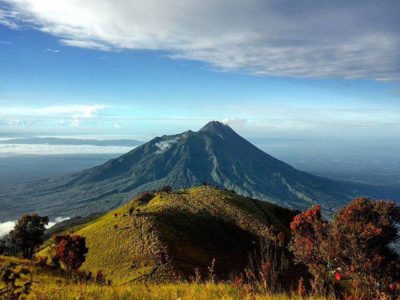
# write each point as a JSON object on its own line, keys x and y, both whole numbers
{"x": 339, "y": 39}
{"x": 31, "y": 149}
{"x": 165, "y": 145}
{"x": 7, "y": 226}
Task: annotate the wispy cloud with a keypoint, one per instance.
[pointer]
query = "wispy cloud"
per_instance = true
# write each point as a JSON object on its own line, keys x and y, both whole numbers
{"x": 83, "y": 110}
{"x": 9, "y": 18}
{"x": 52, "y": 50}
{"x": 165, "y": 145}
{"x": 340, "y": 39}
{"x": 27, "y": 115}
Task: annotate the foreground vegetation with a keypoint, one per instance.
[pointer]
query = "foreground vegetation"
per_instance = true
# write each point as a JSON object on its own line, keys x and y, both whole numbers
{"x": 206, "y": 243}
{"x": 187, "y": 291}
{"x": 54, "y": 285}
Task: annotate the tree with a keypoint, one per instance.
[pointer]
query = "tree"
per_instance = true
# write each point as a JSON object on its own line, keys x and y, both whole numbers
{"x": 28, "y": 232}
{"x": 70, "y": 251}
{"x": 355, "y": 246}
{"x": 8, "y": 245}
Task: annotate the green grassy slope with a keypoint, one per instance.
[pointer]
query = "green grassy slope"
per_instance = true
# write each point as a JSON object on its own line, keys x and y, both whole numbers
{"x": 172, "y": 234}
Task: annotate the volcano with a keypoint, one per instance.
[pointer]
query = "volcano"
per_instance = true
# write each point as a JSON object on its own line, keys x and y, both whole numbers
{"x": 215, "y": 155}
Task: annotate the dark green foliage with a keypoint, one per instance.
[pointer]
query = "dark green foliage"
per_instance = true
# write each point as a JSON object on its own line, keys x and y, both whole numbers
{"x": 16, "y": 281}
{"x": 8, "y": 245}
{"x": 28, "y": 232}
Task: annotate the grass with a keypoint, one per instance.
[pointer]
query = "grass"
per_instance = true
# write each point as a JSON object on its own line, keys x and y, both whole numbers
{"x": 184, "y": 291}
{"x": 51, "y": 285}
{"x": 192, "y": 226}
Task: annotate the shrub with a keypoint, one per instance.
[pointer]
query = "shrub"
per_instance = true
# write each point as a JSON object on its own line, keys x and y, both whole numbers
{"x": 28, "y": 232}
{"x": 145, "y": 197}
{"x": 311, "y": 246}
{"x": 131, "y": 209}
{"x": 70, "y": 251}
{"x": 354, "y": 247}
{"x": 166, "y": 189}
{"x": 362, "y": 233}
{"x": 13, "y": 281}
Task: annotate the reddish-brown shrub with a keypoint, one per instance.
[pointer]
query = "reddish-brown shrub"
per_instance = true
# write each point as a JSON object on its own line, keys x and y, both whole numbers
{"x": 362, "y": 232}
{"x": 353, "y": 248}
{"x": 310, "y": 245}
{"x": 70, "y": 251}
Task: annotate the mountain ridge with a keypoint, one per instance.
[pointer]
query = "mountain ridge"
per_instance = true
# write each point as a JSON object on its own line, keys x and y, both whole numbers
{"x": 215, "y": 154}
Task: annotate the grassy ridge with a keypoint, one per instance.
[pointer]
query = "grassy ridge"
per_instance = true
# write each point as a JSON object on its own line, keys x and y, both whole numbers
{"x": 189, "y": 227}
{"x": 192, "y": 227}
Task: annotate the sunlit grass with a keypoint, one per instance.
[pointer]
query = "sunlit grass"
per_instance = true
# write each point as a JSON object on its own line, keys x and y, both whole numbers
{"x": 207, "y": 291}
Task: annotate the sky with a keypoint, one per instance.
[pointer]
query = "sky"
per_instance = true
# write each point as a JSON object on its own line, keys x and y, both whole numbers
{"x": 139, "y": 69}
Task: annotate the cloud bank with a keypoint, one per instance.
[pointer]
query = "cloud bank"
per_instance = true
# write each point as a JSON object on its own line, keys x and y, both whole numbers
{"x": 7, "y": 150}
{"x": 335, "y": 39}
{"x": 7, "y": 226}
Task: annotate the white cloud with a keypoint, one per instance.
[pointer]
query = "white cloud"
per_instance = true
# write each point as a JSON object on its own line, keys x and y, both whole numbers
{"x": 52, "y": 50}
{"x": 27, "y": 115}
{"x": 8, "y": 150}
{"x": 234, "y": 122}
{"x": 85, "y": 111}
{"x": 348, "y": 39}
{"x": 75, "y": 122}
{"x": 165, "y": 145}
{"x": 85, "y": 44}
{"x": 8, "y": 19}
{"x": 6, "y": 227}
{"x": 56, "y": 220}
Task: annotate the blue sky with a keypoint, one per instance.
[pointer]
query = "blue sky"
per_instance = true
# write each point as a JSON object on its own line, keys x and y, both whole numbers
{"x": 129, "y": 69}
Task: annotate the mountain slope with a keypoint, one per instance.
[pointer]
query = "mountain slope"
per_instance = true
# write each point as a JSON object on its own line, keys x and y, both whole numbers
{"x": 170, "y": 234}
{"x": 215, "y": 154}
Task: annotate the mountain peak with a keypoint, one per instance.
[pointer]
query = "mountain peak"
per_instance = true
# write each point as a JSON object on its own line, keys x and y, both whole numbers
{"x": 216, "y": 127}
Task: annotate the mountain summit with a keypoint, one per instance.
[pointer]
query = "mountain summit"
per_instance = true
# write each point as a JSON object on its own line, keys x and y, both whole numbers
{"x": 215, "y": 155}
{"x": 216, "y": 127}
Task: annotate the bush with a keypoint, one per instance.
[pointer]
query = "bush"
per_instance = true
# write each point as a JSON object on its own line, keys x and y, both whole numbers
{"x": 166, "y": 189}
{"x": 311, "y": 246}
{"x": 14, "y": 281}
{"x": 362, "y": 233}
{"x": 354, "y": 247}
{"x": 70, "y": 251}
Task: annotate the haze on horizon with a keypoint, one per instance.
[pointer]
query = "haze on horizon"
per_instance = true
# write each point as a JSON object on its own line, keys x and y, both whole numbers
{"x": 317, "y": 70}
